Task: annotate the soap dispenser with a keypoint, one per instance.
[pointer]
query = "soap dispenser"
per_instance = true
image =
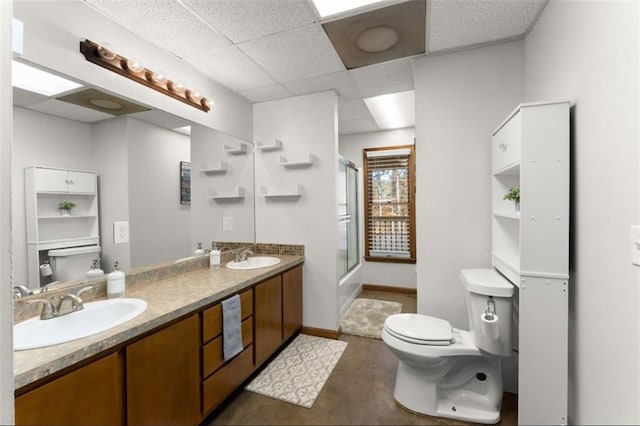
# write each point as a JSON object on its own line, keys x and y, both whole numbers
{"x": 115, "y": 282}
{"x": 214, "y": 256}
{"x": 95, "y": 272}
{"x": 199, "y": 251}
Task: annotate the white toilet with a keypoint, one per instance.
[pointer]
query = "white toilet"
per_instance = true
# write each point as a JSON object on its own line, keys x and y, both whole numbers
{"x": 446, "y": 372}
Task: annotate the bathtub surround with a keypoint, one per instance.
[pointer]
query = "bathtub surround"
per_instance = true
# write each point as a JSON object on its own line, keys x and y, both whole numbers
{"x": 365, "y": 317}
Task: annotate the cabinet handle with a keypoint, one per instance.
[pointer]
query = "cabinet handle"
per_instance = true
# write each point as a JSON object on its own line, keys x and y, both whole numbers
{"x": 70, "y": 181}
{"x": 66, "y": 181}
{"x": 502, "y": 147}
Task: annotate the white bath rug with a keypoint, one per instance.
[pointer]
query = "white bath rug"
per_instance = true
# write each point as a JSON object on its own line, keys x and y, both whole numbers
{"x": 299, "y": 372}
{"x": 365, "y": 317}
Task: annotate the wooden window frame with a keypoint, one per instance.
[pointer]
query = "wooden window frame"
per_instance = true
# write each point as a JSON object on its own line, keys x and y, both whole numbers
{"x": 412, "y": 206}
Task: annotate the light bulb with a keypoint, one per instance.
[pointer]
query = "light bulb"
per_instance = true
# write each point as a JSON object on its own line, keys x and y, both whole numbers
{"x": 194, "y": 96}
{"x": 156, "y": 77}
{"x": 176, "y": 86}
{"x": 106, "y": 51}
{"x": 134, "y": 66}
{"x": 207, "y": 103}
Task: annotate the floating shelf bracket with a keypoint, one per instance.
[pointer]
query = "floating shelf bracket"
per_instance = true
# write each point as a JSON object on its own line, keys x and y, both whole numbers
{"x": 295, "y": 193}
{"x": 306, "y": 162}
{"x": 241, "y": 149}
{"x": 219, "y": 168}
{"x": 213, "y": 195}
{"x": 276, "y": 145}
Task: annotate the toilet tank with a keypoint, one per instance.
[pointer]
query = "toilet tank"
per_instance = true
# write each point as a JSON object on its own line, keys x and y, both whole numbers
{"x": 72, "y": 263}
{"x": 486, "y": 289}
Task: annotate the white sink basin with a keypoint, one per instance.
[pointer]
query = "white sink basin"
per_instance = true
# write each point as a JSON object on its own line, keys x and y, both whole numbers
{"x": 94, "y": 318}
{"x": 254, "y": 263}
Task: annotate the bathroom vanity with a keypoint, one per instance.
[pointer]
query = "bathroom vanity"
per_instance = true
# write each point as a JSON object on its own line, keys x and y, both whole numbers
{"x": 165, "y": 366}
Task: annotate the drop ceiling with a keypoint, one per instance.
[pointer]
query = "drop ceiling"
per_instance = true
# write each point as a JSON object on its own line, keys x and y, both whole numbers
{"x": 272, "y": 49}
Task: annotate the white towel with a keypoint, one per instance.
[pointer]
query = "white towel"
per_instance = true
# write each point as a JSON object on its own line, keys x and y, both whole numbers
{"x": 231, "y": 327}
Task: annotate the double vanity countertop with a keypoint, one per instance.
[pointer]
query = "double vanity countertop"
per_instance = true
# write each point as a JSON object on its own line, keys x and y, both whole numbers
{"x": 168, "y": 299}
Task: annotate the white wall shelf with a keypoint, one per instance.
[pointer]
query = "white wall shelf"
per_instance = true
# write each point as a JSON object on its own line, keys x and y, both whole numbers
{"x": 276, "y": 145}
{"x": 241, "y": 149}
{"x": 212, "y": 194}
{"x": 303, "y": 163}
{"x": 295, "y": 193}
{"x": 68, "y": 217}
{"x": 507, "y": 215}
{"x": 218, "y": 168}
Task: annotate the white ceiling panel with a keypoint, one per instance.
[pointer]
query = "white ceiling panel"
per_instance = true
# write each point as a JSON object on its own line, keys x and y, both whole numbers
{"x": 70, "y": 111}
{"x": 267, "y": 93}
{"x": 357, "y": 126}
{"x": 341, "y": 82}
{"x": 23, "y": 97}
{"x": 296, "y": 54}
{"x": 243, "y": 20}
{"x": 160, "y": 119}
{"x": 458, "y": 23}
{"x": 232, "y": 68}
{"x": 353, "y": 110}
{"x": 387, "y": 77}
{"x": 164, "y": 23}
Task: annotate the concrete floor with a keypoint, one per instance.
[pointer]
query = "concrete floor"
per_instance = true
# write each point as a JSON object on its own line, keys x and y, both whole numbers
{"x": 359, "y": 391}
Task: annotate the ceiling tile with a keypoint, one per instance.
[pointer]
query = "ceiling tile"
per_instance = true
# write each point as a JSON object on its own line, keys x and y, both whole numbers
{"x": 353, "y": 110}
{"x": 380, "y": 79}
{"x": 357, "y": 126}
{"x": 267, "y": 93}
{"x": 296, "y": 54}
{"x": 23, "y": 97}
{"x": 164, "y": 23}
{"x": 457, "y": 23}
{"x": 341, "y": 82}
{"x": 70, "y": 111}
{"x": 160, "y": 119}
{"x": 242, "y": 20}
{"x": 232, "y": 68}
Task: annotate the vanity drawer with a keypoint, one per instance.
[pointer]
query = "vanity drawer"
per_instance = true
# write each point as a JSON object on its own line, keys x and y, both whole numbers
{"x": 212, "y": 352}
{"x": 212, "y": 317}
{"x": 505, "y": 145}
{"x": 227, "y": 379}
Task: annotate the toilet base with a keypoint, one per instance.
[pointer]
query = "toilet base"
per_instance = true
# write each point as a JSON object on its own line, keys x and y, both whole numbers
{"x": 458, "y": 395}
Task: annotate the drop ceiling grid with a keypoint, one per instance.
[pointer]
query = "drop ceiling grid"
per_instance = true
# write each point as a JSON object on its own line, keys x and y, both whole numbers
{"x": 387, "y": 77}
{"x": 339, "y": 81}
{"x": 243, "y": 20}
{"x": 295, "y": 54}
{"x": 164, "y": 23}
{"x": 459, "y": 23}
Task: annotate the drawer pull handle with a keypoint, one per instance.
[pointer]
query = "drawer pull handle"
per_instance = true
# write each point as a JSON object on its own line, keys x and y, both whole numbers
{"x": 502, "y": 147}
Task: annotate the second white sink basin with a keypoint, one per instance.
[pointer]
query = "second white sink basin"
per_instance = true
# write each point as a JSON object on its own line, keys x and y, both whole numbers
{"x": 94, "y": 318}
{"x": 254, "y": 263}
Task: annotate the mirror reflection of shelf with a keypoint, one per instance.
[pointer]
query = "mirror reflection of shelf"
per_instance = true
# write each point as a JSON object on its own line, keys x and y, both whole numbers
{"x": 241, "y": 149}
{"x": 212, "y": 194}
{"x": 295, "y": 193}
{"x": 305, "y": 162}
{"x": 218, "y": 168}
{"x": 50, "y": 244}
{"x": 67, "y": 217}
{"x": 276, "y": 145}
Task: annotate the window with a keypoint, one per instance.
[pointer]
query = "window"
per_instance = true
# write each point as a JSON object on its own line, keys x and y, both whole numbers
{"x": 390, "y": 204}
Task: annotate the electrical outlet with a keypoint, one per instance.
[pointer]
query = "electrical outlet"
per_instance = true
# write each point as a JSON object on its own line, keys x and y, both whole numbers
{"x": 120, "y": 232}
{"x": 227, "y": 223}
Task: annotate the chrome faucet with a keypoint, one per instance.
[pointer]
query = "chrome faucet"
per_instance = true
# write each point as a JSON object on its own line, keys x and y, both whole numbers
{"x": 21, "y": 291}
{"x": 68, "y": 303}
{"x": 242, "y": 256}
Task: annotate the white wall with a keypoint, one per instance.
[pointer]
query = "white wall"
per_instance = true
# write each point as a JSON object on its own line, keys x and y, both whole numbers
{"x": 460, "y": 99}
{"x": 206, "y": 214}
{"x": 6, "y": 254}
{"x": 304, "y": 124}
{"x": 351, "y": 146}
{"x": 159, "y": 225}
{"x": 41, "y": 140}
{"x": 588, "y": 52}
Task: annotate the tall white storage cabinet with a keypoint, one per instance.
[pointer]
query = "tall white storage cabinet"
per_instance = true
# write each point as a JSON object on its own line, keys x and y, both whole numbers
{"x": 47, "y": 229}
{"x": 530, "y": 150}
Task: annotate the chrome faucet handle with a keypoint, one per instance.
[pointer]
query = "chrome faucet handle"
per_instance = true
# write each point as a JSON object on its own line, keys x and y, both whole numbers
{"x": 69, "y": 303}
{"x": 21, "y": 291}
{"x": 245, "y": 253}
{"x": 48, "y": 311}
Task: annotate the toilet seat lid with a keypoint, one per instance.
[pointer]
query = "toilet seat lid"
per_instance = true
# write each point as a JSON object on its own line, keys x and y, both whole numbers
{"x": 421, "y": 329}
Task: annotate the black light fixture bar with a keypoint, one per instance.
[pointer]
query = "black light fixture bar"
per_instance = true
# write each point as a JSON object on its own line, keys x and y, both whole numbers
{"x": 103, "y": 57}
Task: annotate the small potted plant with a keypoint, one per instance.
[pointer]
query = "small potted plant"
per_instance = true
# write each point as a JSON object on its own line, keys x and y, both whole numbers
{"x": 513, "y": 195}
{"x": 65, "y": 208}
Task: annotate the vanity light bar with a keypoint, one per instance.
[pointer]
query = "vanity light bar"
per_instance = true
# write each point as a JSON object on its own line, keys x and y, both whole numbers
{"x": 104, "y": 57}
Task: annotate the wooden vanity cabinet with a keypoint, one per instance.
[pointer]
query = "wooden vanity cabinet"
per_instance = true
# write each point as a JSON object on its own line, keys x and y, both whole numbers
{"x": 291, "y": 302}
{"x": 163, "y": 376}
{"x": 89, "y": 395}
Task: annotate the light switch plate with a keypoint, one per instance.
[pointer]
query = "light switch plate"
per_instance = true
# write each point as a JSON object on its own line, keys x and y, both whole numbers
{"x": 120, "y": 232}
{"x": 634, "y": 244}
{"x": 227, "y": 223}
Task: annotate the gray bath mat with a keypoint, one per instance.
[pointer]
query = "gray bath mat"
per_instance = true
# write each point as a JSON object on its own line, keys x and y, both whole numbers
{"x": 365, "y": 317}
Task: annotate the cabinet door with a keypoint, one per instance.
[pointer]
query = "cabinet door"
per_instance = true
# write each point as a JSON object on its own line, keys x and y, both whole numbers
{"x": 90, "y": 395}
{"x": 268, "y": 318}
{"x": 81, "y": 182}
{"x": 51, "y": 180}
{"x": 291, "y": 301}
{"x": 163, "y": 381}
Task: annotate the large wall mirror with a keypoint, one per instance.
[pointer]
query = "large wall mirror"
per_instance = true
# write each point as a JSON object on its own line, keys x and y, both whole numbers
{"x": 137, "y": 154}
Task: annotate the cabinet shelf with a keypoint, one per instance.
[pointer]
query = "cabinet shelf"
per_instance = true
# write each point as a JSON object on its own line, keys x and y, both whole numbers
{"x": 509, "y": 170}
{"x": 295, "y": 193}
{"x": 219, "y": 168}
{"x": 69, "y": 217}
{"x": 306, "y": 162}
{"x": 241, "y": 149}
{"x": 507, "y": 215}
{"x": 213, "y": 195}
{"x": 276, "y": 145}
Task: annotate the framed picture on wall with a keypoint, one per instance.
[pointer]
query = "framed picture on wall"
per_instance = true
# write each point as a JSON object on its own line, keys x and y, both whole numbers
{"x": 185, "y": 182}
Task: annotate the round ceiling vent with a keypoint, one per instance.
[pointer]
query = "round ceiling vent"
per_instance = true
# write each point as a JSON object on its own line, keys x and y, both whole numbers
{"x": 377, "y": 39}
{"x": 105, "y": 103}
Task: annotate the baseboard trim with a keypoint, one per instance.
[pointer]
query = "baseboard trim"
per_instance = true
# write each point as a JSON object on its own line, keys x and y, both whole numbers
{"x": 321, "y": 332}
{"x": 387, "y": 288}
